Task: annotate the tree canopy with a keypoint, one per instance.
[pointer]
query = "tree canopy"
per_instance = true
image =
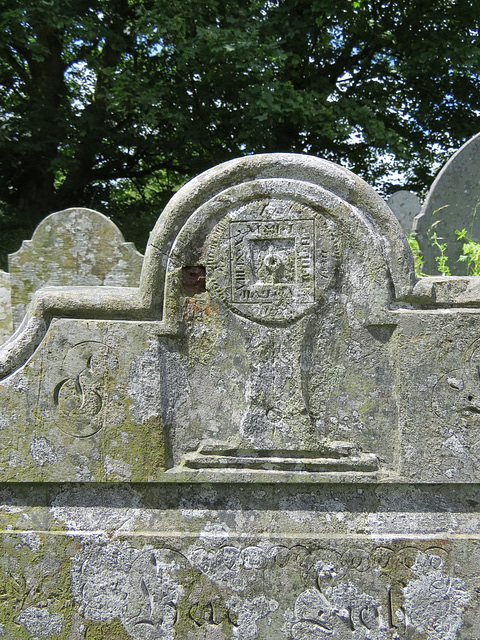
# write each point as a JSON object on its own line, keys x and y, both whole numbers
{"x": 113, "y": 104}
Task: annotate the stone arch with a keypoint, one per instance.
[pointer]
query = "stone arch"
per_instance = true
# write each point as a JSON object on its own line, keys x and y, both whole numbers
{"x": 341, "y": 196}
{"x": 210, "y": 195}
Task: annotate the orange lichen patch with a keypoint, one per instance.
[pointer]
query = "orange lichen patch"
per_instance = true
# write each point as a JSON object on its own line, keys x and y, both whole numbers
{"x": 196, "y": 308}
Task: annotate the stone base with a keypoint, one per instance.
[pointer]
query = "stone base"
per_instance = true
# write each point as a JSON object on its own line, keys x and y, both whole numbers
{"x": 191, "y": 562}
{"x": 336, "y": 457}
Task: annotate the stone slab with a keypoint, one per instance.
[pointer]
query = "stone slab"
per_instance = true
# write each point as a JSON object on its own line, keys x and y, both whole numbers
{"x": 273, "y": 437}
{"x": 72, "y": 247}
{"x": 405, "y": 205}
{"x": 95, "y": 414}
{"x": 247, "y": 562}
{"x": 6, "y": 325}
{"x": 450, "y": 205}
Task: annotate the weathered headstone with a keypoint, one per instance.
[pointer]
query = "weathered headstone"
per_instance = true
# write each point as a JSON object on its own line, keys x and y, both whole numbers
{"x": 6, "y": 326}
{"x": 71, "y": 247}
{"x": 451, "y": 205}
{"x": 405, "y": 205}
{"x": 275, "y": 436}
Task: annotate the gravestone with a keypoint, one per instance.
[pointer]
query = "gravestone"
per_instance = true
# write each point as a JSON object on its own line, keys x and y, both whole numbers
{"x": 6, "y": 326}
{"x": 451, "y": 205}
{"x": 275, "y": 436}
{"x": 71, "y": 247}
{"x": 405, "y": 205}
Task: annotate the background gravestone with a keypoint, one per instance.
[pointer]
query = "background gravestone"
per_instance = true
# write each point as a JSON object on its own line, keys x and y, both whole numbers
{"x": 6, "y": 326}
{"x": 71, "y": 247}
{"x": 405, "y": 205}
{"x": 274, "y": 437}
{"x": 450, "y": 205}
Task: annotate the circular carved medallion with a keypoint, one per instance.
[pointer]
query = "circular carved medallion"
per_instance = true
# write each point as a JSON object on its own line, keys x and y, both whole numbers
{"x": 272, "y": 259}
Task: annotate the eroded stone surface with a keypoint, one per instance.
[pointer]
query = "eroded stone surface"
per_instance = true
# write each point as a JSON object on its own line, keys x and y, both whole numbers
{"x": 6, "y": 325}
{"x": 275, "y": 436}
{"x": 72, "y": 247}
{"x": 207, "y": 569}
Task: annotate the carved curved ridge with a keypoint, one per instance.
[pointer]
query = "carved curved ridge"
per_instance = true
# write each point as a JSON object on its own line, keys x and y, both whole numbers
{"x": 331, "y": 177}
{"x": 146, "y": 302}
{"x": 66, "y": 302}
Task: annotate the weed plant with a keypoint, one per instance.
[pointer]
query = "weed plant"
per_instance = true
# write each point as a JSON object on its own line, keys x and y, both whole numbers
{"x": 470, "y": 249}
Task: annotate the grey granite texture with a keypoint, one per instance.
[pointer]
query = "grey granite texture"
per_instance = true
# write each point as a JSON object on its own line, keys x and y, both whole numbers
{"x": 451, "y": 205}
{"x": 274, "y": 437}
{"x": 405, "y": 205}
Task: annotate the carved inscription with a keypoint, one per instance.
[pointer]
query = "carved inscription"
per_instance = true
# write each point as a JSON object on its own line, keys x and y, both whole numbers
{"x": 140, "y": 587}
{"x": 81, "y": 396}
{"x": 380, "y": 593}
{"x": 271, "y": 260}
{"x": 213, "y": 612}
{"x": 418, "y": 596}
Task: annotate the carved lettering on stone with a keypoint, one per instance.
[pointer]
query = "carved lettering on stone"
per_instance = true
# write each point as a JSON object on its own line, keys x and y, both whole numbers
{"x": 152, "y": 591}
{"x": 282, "y": 256}
{"x": 140, "y": 587}
{"x": 82, "y": 396}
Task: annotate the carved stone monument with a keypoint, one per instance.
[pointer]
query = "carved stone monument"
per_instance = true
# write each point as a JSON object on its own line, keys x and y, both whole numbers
{"x": 275, "y": 436}
{"x": 405, "y": 205}
{"x": 452, "y": 204}
{"x": 72, "y": 247}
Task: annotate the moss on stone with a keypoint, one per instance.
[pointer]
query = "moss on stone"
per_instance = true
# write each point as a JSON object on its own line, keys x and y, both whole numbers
{"x": 143, "y": 447}
{"x": 111, "y": 630}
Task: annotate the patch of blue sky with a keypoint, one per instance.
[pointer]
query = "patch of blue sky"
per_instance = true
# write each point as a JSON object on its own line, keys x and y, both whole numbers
{"x": 84, "y": 79}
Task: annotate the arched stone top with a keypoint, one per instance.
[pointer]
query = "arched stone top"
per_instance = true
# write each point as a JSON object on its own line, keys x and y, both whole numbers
{"x": 343, "y": 243}
{"x": 300, "y": 174}
{"x": 49, "y": 225}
